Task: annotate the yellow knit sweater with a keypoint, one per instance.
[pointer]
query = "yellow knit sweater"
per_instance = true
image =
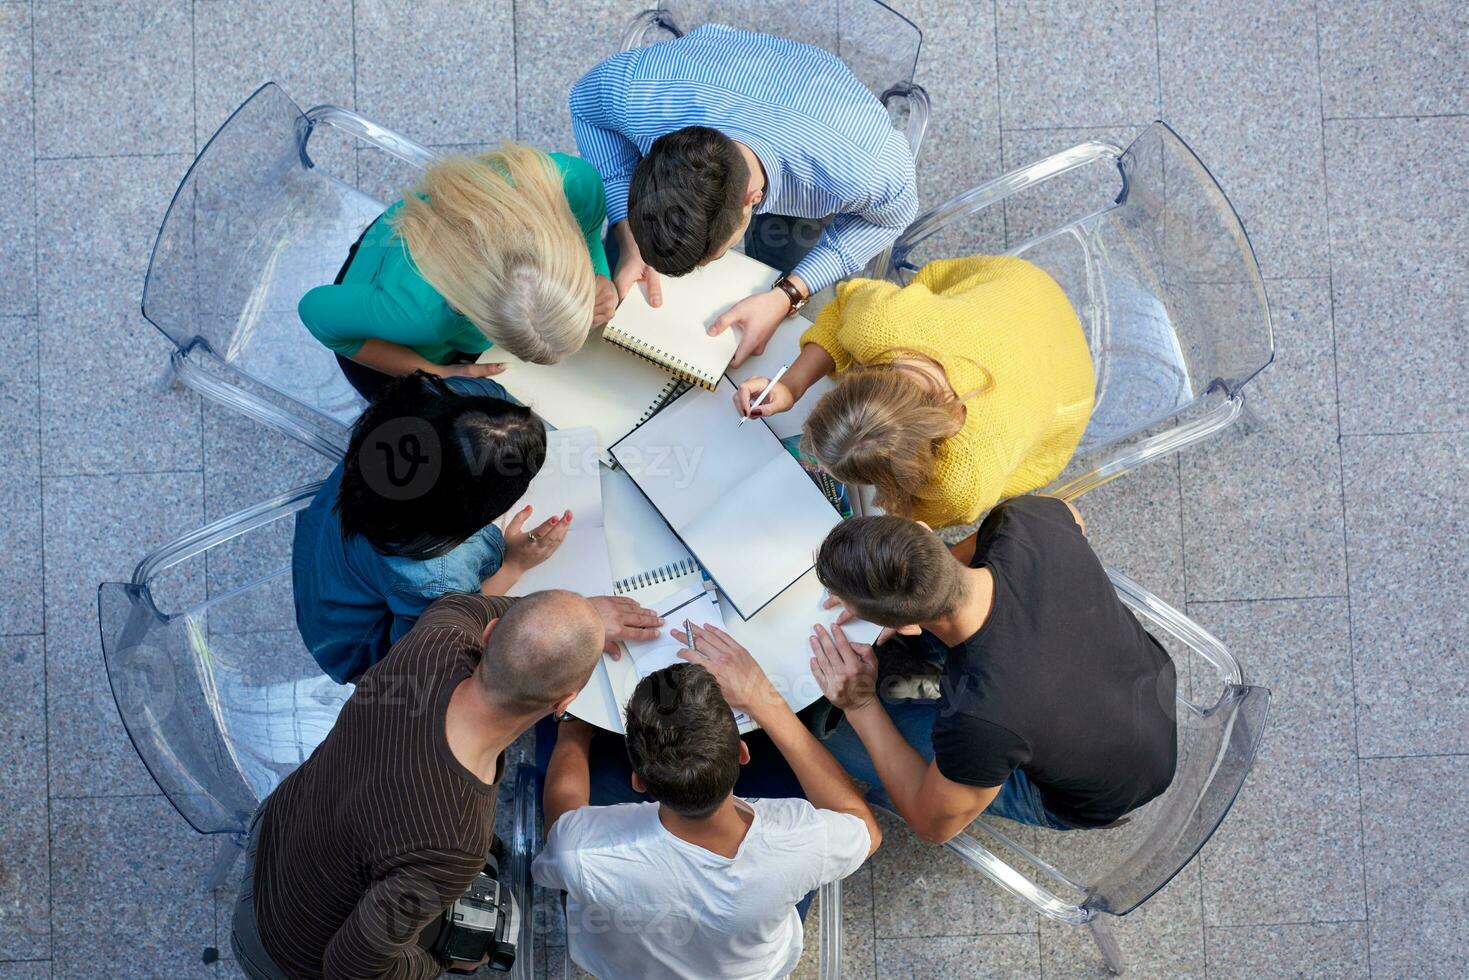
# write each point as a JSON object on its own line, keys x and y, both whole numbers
{"x": 991, "y": 314}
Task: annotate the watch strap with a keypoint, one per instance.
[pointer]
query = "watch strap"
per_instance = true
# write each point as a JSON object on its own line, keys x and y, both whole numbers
{"x": 793, "y": 294}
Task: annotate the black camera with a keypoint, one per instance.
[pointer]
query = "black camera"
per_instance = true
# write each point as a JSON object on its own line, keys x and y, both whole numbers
{"x": 486, "y": 919}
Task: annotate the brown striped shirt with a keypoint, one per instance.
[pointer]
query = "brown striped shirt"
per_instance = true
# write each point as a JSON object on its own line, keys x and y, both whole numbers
{"x": 382, "y": 828}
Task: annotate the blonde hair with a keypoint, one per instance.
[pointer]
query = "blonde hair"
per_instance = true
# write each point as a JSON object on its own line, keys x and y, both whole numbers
{"x": 882, "y": 425}
{"x": 496, "y": 237}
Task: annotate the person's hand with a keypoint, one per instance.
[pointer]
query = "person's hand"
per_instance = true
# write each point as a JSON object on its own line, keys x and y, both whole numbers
{"x": 605, "y": 303}
{"x": 846, "y": 671}
{"x": 741, "y": 679}
{"x": 847, "y": 615}
{"x": 623, "y": 619}
{"x": 631, "y": 269}
{"x": 756, "y": 317}
{"x": 779, "y": 400}
{"x": 468, "y": 370}
{"x": 526, "y": 549}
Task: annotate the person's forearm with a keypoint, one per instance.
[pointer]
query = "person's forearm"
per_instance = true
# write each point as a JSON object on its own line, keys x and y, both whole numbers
{"x": 393, "y": 359}
{"x": 899, "y": 766}
{"x": 503, "y": 580}
{"x": 809, "y": 367}
{"x": 568, "y": 777}
{"x": 822, "y": 778}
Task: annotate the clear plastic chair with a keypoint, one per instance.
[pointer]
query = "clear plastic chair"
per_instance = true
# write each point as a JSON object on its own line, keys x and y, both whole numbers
{"x": 255, "y": 223}
{"x": 876, "y": 42}
{"x": 1164, "y": 280}
{"x": 1077, "y": 876}
{"x": 221, "y": 698}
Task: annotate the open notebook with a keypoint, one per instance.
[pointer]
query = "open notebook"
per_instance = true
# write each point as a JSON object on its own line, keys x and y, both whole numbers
{"x": 598, "y": 385}
{"x": 732, "y": 493}
{"x": 650, "y": 564}
{"x": 570, "y": 479}
{"x": 673, "y": 335}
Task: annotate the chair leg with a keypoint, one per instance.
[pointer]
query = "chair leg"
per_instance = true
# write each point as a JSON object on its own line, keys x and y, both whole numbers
{"x": 829, "y": 965}
{"x": 1107, "y": 943}
{"x": 222, "y": 871}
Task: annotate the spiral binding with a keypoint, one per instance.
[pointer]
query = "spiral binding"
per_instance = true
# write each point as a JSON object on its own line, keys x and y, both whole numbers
{"x": 665, "y": 573}
{"x": 665, "y": 395}
{"x": 676, "y": 366}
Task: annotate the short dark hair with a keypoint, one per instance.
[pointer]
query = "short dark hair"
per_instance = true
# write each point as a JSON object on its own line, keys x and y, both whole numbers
{"x": 427, "y": 466}
{"x": 686, "y": 198}
{"x": 890, "y": 570}
{"x": 682, "y": 740}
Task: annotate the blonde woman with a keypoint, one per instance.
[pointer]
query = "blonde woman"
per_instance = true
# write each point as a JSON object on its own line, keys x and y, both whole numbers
{"x": 970, "y": 384}
{"x": 502, "y": 249}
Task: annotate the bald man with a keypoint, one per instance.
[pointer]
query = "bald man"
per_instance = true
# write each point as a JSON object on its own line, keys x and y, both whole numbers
{"x": 387, "y": 824}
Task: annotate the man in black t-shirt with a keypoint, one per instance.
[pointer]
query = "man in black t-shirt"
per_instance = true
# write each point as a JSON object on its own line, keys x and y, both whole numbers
{"x": 1056, "y": 706}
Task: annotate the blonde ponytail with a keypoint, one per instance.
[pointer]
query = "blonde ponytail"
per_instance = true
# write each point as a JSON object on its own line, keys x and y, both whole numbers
{"x": 496, "y": 237}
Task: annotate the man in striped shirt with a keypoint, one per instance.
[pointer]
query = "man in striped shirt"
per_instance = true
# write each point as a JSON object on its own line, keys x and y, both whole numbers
{"x": 357, "y": 853}
{"x": 694, "y": 136}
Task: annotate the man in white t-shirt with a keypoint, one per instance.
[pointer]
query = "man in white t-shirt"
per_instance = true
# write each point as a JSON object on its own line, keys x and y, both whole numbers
{"x": 700, "y": 883}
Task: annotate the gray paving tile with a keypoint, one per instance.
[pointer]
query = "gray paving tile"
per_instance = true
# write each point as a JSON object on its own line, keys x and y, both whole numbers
{"x": 1303, "y": 807}
{"x": 1068, "y": 197}
{"x": 1164, "y": 938}
{"x": 1402, "y": 353}
{"x": 962, "y": 148}
{"x": 437, "y": 71}
{"x": 1405, "y": 502}
{"x": 1261, "y": 512}
{"x": 99, "y": 219}
{"x": 26, "y": 970}
{"x": 1394, "y": 57}
{"x": 114, "y": 78}
{"x": 1300, "y": 649}
{"x": 926, "y": 891}
{"x": 1074, "y": 63}
{"x": 1239, "y": 85}
{"x": 979, "y": 957}
{"x": 97, "y": 529}
{"x": 555, "y": 44}
{"x": 135, "y": 871}
{"x": 1417, "y": 859}
{"x": 1393, "y": 182}
{"x": 1133, "y": 523}
{"x": 1336, "y": 950}
{"x": 305, "y": 46}
{"x": 17, "y": 164}
{"x": 25, "y": 927}
{"x": 20, "y": 529}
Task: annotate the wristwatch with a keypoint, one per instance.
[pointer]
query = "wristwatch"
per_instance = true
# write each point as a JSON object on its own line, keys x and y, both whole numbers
{"x": 793, "y": 294}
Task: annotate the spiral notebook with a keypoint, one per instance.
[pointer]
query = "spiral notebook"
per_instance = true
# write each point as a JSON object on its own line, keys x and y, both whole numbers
{"x": 569, "y": 479}
{"x": 598, "y": 386}
{"x": 673, "y": 335}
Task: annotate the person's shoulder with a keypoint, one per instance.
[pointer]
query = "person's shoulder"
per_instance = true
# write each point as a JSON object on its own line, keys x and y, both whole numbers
{"x": 599, "y": 829}
{"x": 1030, "y": 515}
{"x": 574, "y": 170}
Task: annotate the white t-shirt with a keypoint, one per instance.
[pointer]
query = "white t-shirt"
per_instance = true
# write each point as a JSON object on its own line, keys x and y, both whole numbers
{"x": 642, "y": 903}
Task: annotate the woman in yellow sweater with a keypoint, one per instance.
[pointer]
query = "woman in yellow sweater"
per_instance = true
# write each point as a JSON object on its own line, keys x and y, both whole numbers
{"x": 971, "y": 384}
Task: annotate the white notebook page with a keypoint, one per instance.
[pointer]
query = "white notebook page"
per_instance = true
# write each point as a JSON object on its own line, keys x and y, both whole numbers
{"x": 733, "y": 494}
{"x": 570, "y": 479}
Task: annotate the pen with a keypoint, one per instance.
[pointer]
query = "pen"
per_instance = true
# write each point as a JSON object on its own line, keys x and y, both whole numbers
{"x": 688, "y": 632}
{"x": 760, "y": 398}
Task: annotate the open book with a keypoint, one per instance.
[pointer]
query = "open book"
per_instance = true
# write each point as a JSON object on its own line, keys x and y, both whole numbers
{"x": 598, "y": 385}
{"x": 673, "y": 335}
{"x": 570, "y": 479}
{"x": 731, "y": 493}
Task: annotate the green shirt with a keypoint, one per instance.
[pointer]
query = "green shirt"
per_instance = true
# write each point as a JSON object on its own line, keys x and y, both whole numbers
{"x": 383, "y": 295}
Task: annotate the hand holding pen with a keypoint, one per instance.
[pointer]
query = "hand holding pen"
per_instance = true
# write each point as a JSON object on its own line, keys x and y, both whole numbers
{"x": 763, "y": 397}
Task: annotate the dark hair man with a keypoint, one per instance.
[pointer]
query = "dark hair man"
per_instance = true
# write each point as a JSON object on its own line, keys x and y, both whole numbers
{"x": 1056, "y": 706}
{"x": 699, "y": 883}
{"x": 390, "y": 819}
{"x": 695, "y": 136}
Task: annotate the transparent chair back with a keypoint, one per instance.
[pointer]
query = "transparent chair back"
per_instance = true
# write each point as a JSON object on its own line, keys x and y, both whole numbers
{"x": 220, "y": 698}
{"x": 1162, "y": 276}
{"x": 257, "y": 222}
{"x": 1074, "y": 876}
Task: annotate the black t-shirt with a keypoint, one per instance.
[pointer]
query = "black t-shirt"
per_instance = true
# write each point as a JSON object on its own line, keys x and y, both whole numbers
{"x": 1061, "y": 680}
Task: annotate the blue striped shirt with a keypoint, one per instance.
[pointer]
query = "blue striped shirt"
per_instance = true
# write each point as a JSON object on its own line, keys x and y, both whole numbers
{"x": 825, "y": 141}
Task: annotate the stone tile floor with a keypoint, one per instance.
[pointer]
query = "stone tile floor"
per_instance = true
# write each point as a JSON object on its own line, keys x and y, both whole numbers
{"x": 1326, "y": 546}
